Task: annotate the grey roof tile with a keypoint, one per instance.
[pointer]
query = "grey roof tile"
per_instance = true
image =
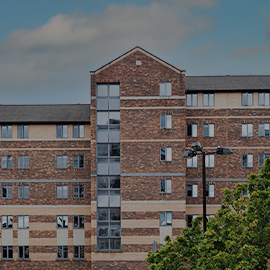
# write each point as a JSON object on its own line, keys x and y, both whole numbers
{"x": 227, "y": 83}
{"x": 66, "y": 113}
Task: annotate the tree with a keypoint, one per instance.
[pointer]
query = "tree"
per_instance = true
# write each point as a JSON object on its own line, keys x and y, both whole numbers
{"x": 238, "y": 237}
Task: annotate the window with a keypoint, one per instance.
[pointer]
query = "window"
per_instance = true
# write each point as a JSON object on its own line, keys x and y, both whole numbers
{"x": 61, "y": 162}
{"x": 6, "y": 132}
{"x": 23, "y": 252}
{"x": 78, "y": 252}
{"x": 192, "y": 130}
{"x": 62, "y": 252}
{"x": 6, "y": 162}
{"x": 245, "y": 192}
{"x": 78, "y": 131}
{"x": 165, "y": 121}
{"x": 247, "y": 99}
{"x": 264, "y": 130}
{"x": 106, "y": 150}
{"x": 209, "y": 216}
{"x": 23, "y": 192}
{"x": 62, "y": 222}
{"x": 191, "y": 100}
{"x": 247, "y": 160}
{"x": 210, "y": 190}
{"x": 61, "y": 131}
{"x": 264, "y": 99}
{"x": 78, "y": 191}
{"x": 165, "y": 89}
{"x": 6, "y": 192}
{"x": 78, "y": 222}
{"x": 165, "y": 186}
{"x": 7, "y": 252}
{"x": 165, "y": 218}
{"x": 190, "y": 219}
{"x": 22, "y": 131}
{"x": 247, "y": 130}
{"x": 192, "y": 191}
{"x": 154, "y": 246}
{"x": 208, "y": 130}
{"x": 208, "y": 99}
{"x": 209, "y": 161}
{"x": 7, "y": 222}
{"x": 62, "y": 192}
{"x": 23, "y": 222}
{"x": 262, "y": 158}
{"x": 192, "y": 162}
{"x": 78, "y": 161}
{"x": 23, "y": 162}
{"x": 165, "y": 154}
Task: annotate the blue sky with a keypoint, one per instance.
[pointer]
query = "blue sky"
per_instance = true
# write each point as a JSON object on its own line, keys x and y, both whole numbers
{"x": 48, "y": 47}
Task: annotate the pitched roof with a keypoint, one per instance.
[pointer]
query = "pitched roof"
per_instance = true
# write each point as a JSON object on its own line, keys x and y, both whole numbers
{"x": 228, "y": 83}
{"x": 66, "y": 113}
{"x": 142, "y": 51}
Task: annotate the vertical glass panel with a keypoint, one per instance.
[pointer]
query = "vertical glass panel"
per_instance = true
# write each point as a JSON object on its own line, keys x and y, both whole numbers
{"x": 168, "y": 121}
{"x": 65, "y": 222}
{"x": 162, "y": 154}
{"x": 162, "y": 121}
{"x": 65, "y": 162}
{"x": 250, "y": 99}
{"x": 75, "y": 131}
{"x": 162, "y": 89}
{"x": 188, "y": 99}
{"x": 102, "y": 149}
{"x": 102, "y": 118}
{"x": 194, "y": 99}
{"x": 114, "y": 149}
{"x": 189, "y": 190}
{"x": 20, "y": 192}
{"x": 162, "y": 186}
{"x": 169, "y": 186}
{"x": 250, "y": 130}
{"x": 65, "y": 131}
{"x": 103, "y": 214}
{"x": 9, "y": 189}
{"x": 20, "y": 252}
{"x": 4, "y": 222}
{"x": 20, "y": 222}
{"x": 76, "y": 222}
{"x": 266, "y": 130}
{"x": 205, "y": 99}
{"x": 102, "y": 181}
{"x": 9, "y": 162}
{"x": 102, "y": 104}
{"x": 168, "y": 89}
{"x": 103, "y": 201}
{"x": 58, "y": 131}
{"x": 115, "y": 182}
{"x": 189, "y": 130}
{"x": 114, "y": 117}
{"x": 169, "y": 218}
{"x": 59, "y": 222}
{"x": 76, "y": 252}
{"x": 266, "y": 97}
{"x": 9, "y": 135}
{"x": 4, "y": 162}
{"x": 26, "y": 132}
{"x": 195, "y": 161}
{"x": 244, "y": 130}
{"x": 26, "y": 192}
{"x": 65, "y": 191}
{"x": 261, "y": 130}
{"x": 261, "y": 99}
{"x": 194, "y": 130}
{"x": 115, "y": 214}
{"x": 211, "y": 130}
{"x": 168, "y": 154}
{"x": 205, "y": 130}
{"x": 59, "y": 192}
{"x": 20, "y": 131}
{"x": 81, "y": 131}
{"x": 5, "y": 252}
{"x": 194, "y": 190}
{"x": 81, "y": 220}
{"x": 114, "y": 90}
{"x": 103, "y": 230}
{"x": 114, "y": 104}
{"x": 103, "y": 243}
{"x": 102, "y": 90}
{"x": 211, "y": 99}
{"x": 76, "y": 191}
{"x": 65, "y": 252}
{"x": 162, "y": 218}
{"x": 250, "y": 161}
{"x": 10, "y": 252}
{"x": 115, "y": 201}
{"x": 3, "y": 132}
{"x": 244, "y": 160}
{"x": 189, "y": 163}
{"x": 115, "y": 230}
{"x": 26, "y": 252}
{"x": 244, "y": 99}
{"x": 26, "y": 222}
{"x": 115, "y": 243}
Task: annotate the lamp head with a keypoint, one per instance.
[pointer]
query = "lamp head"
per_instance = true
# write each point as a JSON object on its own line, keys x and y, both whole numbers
{"x": 196, "y": 146}
{"x": 189, "y": 154}
{"x": 224, "y": 151}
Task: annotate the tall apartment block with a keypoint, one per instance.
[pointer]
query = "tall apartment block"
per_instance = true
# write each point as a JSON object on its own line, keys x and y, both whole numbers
{"x": 99, "y": 186}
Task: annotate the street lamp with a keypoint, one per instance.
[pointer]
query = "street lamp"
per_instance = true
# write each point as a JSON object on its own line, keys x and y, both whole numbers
{"x": 195, "y": 148}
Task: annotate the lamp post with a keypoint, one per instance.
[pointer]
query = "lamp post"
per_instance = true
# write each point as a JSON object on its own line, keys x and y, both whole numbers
{"x": 197, "y": 149}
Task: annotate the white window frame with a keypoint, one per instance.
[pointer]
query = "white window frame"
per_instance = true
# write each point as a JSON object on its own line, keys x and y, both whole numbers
{"x": 24, "y": 252}
{"x": 165, "y": 218}
{"x": 249, "y": 161}
{"x": 208, "y": 130}
{"x": 264, "y": 99}
{"x": 167, "y": 120}
{"x": 209, "y": 100}
{"x": 247, "y": 130}
{"x": 264, "y": 130}
{"x": 24, "y": 131}
{"x": 24, "y": 161}
{"x": 194, "y": 130}
{"x": 6, "y": 132}
{"x": 167, "y": 183}
{"x": 80, "y": 131}
{"x": 247, "y": 99}
{"x": 194, "y": 190}
{"x": 192, "y": 162}
{"x": 24, "y": 190}
{"x": 210, "y": 161}
{"x": 25, "y": 222}
{"x": 210, "y": 189}
{"x": 63, "y": 131}
{"x": 61, "y": 161}
{"x": 167, "y": 153}
{"x": 191, "y": 100}
{"x": 62, "y": 192}
{"x": 165, "y": 89}
{"x": 6, "y": 162}
{"x": 262, "y": 157}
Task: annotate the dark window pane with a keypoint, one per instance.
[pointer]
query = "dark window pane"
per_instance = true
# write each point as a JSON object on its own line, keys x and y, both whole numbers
{"x": 115, "y": 182}
{"x": 115, "y": 214}
{"x": 162, "y": 153}
{"x": 102, "y": 149}
{"x": 115, "y": 149}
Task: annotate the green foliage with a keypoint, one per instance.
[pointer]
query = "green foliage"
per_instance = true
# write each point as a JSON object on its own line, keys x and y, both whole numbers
{"x": 237, "y": 238}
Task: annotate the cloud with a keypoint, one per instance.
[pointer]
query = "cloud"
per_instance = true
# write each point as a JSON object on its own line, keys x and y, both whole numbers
{"x": 60, "y": 53}
{"x": 249, "y": 51}
{"x": 268, "y": 27}
{"x": 192, "y": 3}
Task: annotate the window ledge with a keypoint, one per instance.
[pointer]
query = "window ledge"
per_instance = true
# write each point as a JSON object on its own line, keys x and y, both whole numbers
{"x": 108, "y": 251}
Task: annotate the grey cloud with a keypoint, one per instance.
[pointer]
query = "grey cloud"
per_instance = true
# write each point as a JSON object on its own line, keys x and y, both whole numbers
{"x": 59, "y": 54}
{"x": 249, "y": 51}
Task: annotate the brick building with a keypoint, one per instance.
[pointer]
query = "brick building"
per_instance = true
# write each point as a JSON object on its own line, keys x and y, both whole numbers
{"x": 97, "y": 187}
